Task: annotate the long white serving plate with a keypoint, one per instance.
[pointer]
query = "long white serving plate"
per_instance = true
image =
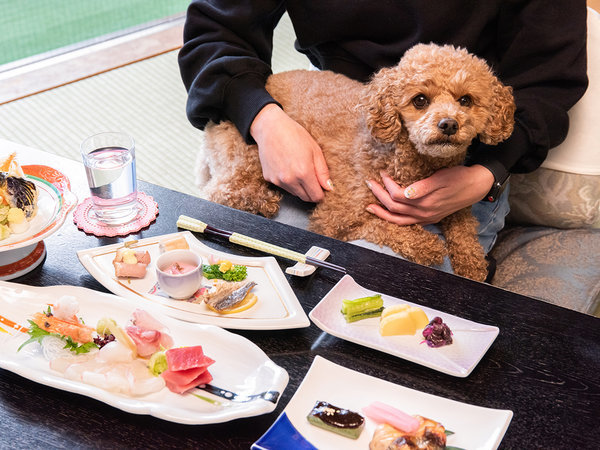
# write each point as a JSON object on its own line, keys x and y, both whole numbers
{"x": 471, "y": 339}
{"x": 240, "y": 365}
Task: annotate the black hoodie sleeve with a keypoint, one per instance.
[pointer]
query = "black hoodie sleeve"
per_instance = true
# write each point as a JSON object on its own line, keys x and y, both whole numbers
{"x": 226, "y": 60}
{"x": 543, "y": 56}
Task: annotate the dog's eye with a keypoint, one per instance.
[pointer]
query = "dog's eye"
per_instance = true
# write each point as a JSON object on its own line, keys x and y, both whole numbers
{"x": 465, "y": 101}
{"x": 420, "y": 101}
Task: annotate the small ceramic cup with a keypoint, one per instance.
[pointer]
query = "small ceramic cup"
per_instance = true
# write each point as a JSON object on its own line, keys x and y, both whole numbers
{"x": 179, "y": 286}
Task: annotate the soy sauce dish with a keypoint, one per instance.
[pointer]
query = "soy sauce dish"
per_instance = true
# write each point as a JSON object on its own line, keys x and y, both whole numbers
{"x": 179, "y": 273}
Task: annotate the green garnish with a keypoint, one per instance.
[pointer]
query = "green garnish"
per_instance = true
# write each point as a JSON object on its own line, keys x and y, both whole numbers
{"x": 158, "y": 363}
{"x": 362, "y": 308}
{"x": 37, "y": 334}
{"x": 206, "y": 399}
{"x": 236, "y": 273}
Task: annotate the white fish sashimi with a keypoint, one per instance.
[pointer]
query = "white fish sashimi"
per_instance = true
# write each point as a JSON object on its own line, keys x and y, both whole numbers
{"x": 113, "y": 368}
{"x": 115, "y": 352}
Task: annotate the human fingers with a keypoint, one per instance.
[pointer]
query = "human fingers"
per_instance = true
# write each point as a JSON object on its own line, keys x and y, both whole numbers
{"x": 384, "y": 196}
{"x": 395, "y": 190}
{"x": 387, "y": 215}
{"x": 321, "y": 169}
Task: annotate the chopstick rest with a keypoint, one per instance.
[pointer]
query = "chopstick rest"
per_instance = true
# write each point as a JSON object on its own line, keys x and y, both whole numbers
{"x": 304, "y": 270}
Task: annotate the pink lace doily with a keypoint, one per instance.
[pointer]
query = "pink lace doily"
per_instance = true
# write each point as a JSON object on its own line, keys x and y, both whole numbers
{"x": 85, "y": 220}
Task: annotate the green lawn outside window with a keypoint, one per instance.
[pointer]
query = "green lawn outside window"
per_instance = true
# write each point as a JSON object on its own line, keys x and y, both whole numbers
{"x": 31, "y": 27}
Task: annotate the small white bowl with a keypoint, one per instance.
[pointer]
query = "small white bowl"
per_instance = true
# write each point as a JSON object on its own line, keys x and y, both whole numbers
{"x": 180, "y": 286}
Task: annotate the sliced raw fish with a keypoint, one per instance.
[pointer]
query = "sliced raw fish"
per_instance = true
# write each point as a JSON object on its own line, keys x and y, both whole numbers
{"x": 188, "y": 375}
{"x": 147, "y": 342}
{"x": 142, "y": 319}
{"x": 182, "y": 358}
{"x": 203, "y": 378}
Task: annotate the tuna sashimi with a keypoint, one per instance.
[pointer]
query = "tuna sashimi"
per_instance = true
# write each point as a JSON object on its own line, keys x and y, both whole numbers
{"x": 186, "y": 376}
{"x": 204, "y": 378}
{"x": 183, "y": 358}
{"x": 187, "y": 368}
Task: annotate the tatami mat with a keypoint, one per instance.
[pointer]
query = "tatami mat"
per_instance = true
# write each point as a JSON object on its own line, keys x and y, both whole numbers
{"x": 146, "y": 99}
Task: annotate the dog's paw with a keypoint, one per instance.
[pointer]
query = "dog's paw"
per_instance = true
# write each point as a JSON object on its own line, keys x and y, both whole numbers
{"x": 425, "y": 248}
{"x": 473, "y": 273}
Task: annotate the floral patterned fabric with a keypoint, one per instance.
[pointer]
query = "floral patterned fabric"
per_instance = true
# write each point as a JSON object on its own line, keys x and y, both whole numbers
{"x": 558, "y": 266}
{"x": 555, "y": 199}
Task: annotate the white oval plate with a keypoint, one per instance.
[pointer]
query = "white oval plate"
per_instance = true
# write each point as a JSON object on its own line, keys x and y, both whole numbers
{"x": 471, "y": 339}
{"x": 277, "y": 306}
{"x": 240, "y": 365}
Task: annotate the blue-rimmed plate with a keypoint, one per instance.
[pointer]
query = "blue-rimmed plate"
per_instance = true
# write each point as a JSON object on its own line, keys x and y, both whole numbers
{"x": 472, "y": 426}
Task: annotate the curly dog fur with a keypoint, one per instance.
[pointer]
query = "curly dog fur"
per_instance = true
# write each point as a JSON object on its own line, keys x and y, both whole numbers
{"x": 364, "y": 129}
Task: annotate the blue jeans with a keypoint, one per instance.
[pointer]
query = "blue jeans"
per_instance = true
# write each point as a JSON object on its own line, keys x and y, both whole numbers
{"x": 490, "y": 215}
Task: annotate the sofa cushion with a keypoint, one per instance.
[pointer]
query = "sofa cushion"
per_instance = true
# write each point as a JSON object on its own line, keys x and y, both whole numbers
{"x": 555, "y": 199}
{"x": 565, "y": 191}
{"x": 558, "y": 266}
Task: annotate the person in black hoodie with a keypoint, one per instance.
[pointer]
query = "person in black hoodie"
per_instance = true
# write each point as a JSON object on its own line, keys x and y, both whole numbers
{"x": 535, "y": 46}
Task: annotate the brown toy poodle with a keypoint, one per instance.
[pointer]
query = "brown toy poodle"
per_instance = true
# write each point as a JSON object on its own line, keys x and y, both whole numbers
{"x": 410, "y": 120}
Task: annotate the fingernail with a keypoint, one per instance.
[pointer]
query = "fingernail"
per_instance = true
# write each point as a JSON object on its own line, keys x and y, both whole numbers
{"x": 330, "y": 184}
{"x": 369, "y": 209}
{"x": 368, "y": 183}
{"x": 410, "y": 192}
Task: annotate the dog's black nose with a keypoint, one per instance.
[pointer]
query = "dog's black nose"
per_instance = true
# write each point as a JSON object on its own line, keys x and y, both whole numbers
{"x": 448, "y": 126}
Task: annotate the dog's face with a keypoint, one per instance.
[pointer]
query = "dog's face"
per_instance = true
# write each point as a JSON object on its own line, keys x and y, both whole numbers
{"x": 440, "y": 99}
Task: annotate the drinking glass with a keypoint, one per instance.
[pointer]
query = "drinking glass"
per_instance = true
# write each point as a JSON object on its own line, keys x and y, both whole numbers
{"x": 109, "y": 160}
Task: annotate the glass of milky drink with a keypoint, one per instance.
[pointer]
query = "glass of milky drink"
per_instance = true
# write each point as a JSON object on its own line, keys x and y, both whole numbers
{"x": 109, "y": 160}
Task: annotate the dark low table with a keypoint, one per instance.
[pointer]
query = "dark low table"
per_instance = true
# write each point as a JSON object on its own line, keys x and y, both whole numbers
{"x": 544, "y": 365}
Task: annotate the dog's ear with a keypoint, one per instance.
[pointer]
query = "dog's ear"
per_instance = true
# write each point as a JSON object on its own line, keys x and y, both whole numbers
{"x": 502, "y": 119}
{"x": 379, "y": 103}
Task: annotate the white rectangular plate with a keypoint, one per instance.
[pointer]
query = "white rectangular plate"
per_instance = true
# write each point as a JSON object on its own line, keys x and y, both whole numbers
{"x": 474, "y": 427}
{"x": 277, "y": 306}
{"x": 471, "y": 339}
{"x": 240, "y": 365}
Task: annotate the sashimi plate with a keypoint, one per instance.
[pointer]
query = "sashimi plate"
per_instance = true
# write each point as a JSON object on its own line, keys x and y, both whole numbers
{"x": 240, "y": 366}
{"x": 277, "y": 306}
{"x": 472, "y": 426}
{"x": 471, "y": 340}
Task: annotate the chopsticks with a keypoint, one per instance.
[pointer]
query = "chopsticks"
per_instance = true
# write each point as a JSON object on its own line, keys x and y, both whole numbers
{"x": 198, "y": 226}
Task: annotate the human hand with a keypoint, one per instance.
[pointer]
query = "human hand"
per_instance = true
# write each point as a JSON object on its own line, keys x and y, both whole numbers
{"x": 431, "y": 199}
{"x": 290, "y": 157}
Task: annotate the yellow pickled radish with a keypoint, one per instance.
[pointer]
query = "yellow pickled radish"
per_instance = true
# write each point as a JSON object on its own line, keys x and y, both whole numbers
{"x": 402, "y": 319}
